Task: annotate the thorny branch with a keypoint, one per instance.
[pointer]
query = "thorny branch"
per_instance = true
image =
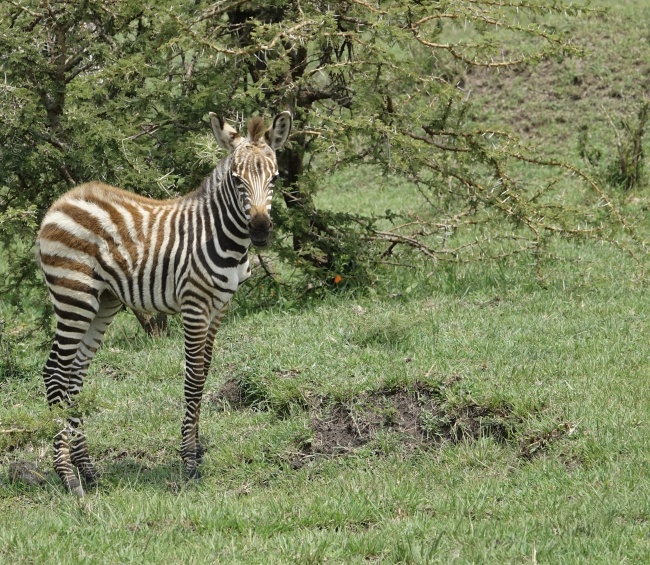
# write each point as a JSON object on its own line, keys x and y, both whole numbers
{"x": 503, "y": 199}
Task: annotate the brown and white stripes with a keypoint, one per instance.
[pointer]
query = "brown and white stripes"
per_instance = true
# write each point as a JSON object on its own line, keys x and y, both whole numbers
{"x": 101, "y": 247}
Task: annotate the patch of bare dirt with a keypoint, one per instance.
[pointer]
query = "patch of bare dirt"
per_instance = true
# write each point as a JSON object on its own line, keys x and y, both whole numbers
{"x": 287, "y": 374}
{"x": 572, "y": 93}
{"x": 230, "y": 395}
{"x": 417, "y": 414}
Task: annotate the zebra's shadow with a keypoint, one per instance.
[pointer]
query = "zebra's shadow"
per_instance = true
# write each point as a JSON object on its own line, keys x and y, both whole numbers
{"x": 128, "y": 474}
{"x": 117, "y": 477}
{"x": 137, "y": 473}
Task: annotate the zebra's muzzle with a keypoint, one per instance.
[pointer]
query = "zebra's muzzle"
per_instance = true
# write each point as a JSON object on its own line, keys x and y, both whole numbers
{"x": 259, "y": 229}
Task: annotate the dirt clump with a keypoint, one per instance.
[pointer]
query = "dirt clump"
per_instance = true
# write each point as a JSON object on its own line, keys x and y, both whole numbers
{"x": 230, "y": 395}
{"x": 537, "y": 444}
{"x": 419, "y": 415}
{"x": 25, "y": 472}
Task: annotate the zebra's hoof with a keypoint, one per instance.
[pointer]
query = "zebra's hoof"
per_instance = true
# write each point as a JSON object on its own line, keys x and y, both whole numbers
{"x": 78, "y": 491}
{"x": 74, "y": 487}
{"x": 193, "y": 474}
{"x": 91, "y": 480}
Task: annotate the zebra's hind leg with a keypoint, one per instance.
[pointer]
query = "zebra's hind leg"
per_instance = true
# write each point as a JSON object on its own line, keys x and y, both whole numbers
{"x": 109, "y": 306}
{"x": 77, "y": 334}
{"x": 56, "y": 375}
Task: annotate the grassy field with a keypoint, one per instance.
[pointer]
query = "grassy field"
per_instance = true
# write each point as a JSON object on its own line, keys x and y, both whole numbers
{"x": 453, "y": 414}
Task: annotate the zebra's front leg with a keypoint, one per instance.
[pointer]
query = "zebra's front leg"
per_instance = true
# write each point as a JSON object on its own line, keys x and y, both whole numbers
{"x": 207, "y": 360}
{"x": 196, "y": 325}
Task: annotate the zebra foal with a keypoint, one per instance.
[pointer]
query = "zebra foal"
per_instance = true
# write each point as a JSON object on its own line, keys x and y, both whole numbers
{"x": 101, "y": 247}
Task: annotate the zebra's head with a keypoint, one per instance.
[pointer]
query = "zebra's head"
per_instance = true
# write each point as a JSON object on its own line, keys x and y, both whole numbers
{"x": 253, "y": 168}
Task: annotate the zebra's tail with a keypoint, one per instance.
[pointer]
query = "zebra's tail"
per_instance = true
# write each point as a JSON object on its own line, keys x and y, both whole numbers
{"x": 37, "y": 253}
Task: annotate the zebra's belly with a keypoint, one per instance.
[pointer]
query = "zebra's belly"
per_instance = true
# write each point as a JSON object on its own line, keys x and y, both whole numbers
{"x": 143, "y": 286}
{"x": 152, "y": 300}
{"x": 163, "y": 287}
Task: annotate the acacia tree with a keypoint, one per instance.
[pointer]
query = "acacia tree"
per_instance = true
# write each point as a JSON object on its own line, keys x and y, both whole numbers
{"x": 118, "y": 90}
{"x": 380, "y": 82}
{"x": 93, "y": 90}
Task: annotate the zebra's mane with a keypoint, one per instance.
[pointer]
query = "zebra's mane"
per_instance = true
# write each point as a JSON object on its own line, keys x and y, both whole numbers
{"x": 213, "y": 180}
{"x": 256, "y": 128}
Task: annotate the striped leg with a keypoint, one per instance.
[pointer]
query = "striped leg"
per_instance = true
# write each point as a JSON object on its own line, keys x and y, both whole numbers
{"x": 74, "y": 319}
{"x": 109, "y": 306}
{"x": 196, "y": 326}
{"x": 54, "y": 375}
{"x": 207, "y": 360}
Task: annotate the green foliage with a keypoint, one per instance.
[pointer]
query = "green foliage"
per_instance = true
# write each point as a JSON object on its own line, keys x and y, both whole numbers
{"x": 119, "y": 91}
{"x": 628, "y": 171}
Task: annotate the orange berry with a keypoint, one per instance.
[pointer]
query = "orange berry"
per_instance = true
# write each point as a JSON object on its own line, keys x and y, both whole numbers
{"x": 337, "y": 279}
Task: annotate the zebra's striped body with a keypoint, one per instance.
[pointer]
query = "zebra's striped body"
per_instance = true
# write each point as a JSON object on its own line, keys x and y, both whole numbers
{"x": 101, "y": 247}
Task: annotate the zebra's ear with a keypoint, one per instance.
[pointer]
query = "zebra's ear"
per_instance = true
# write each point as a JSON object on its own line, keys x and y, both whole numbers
{"x": 226, "y": 136}
{"x": 278, "y": 133}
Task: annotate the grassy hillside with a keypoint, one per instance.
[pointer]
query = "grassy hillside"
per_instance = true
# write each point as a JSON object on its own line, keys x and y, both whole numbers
{"x": 453, "y": 414}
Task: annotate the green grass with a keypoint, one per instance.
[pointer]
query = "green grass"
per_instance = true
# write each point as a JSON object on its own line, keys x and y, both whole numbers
{"x": 560, "y": 353}
{"x": 364, "y": 190}
{"x": 573, "y": 355}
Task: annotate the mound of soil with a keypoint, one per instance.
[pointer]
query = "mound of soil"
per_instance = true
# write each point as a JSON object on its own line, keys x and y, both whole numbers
{"x": 417, "y": 414}
{"x": 229, "y": 395}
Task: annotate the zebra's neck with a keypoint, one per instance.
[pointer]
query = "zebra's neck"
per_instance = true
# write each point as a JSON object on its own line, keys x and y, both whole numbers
{"x": 219, "y": 211}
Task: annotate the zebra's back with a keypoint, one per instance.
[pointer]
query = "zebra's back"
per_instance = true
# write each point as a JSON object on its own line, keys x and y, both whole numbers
{"x": 99, "y": 237}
